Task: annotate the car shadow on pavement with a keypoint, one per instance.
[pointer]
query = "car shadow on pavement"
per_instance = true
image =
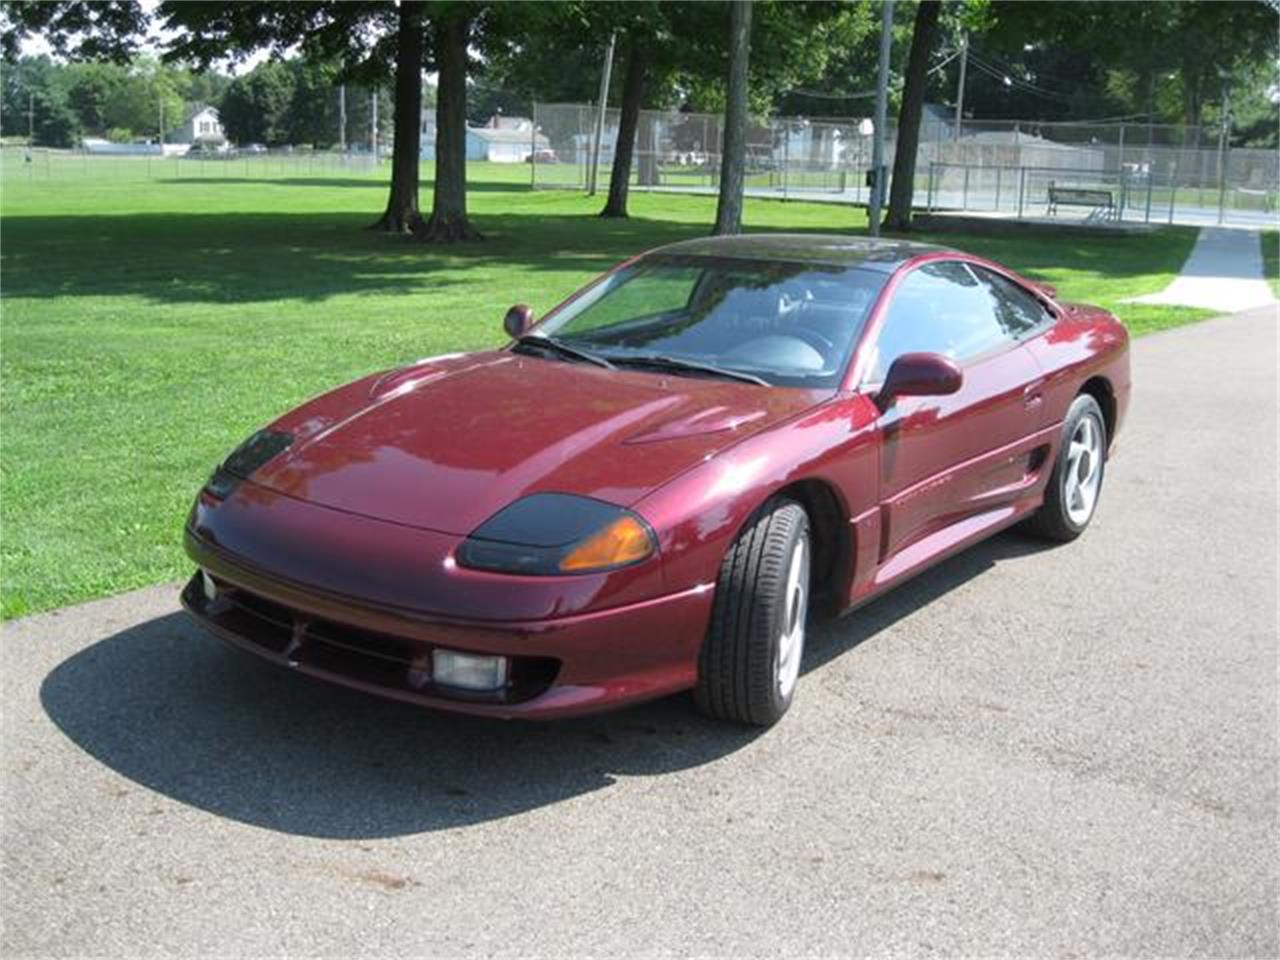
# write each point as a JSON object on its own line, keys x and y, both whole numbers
{"x": 169, "y": 707}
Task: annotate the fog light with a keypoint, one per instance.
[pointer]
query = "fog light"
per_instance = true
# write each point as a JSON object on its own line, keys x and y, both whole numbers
{"x": 468, "y": 671}
{"x": 210, "y": 588}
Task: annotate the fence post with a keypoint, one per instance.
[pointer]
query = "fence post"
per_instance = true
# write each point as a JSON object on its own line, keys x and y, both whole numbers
{"x": 1222, "y": 182}
{"x": 533, "y": 148}
{"x": 929, "y": 204}
{"x": 999, "y": 171}
{"x": 1173, "y": 190}
{"x": 1022, "y": 188}
{"x": 964, "y": 201}
{"x": 1150, "y": 184}
{"x": 786, "y": 156}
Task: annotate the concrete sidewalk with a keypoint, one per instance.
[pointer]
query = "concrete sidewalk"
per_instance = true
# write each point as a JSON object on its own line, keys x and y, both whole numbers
{"x": 1224, "y": 272}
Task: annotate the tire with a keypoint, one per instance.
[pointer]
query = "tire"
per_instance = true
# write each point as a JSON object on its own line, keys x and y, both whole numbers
{"x": 750, "y": 659}
{"x": 1071, "y": 497}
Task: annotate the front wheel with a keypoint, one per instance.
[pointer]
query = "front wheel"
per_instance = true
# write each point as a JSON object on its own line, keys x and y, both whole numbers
{"x": 750, "y": 660}
{"x": 1076, "y": 483}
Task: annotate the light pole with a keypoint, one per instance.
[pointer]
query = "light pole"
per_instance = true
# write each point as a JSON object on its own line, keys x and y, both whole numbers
{"x": 1222, "y": 142}
{"x": 964, "y": 63}
{"x": 600, "y": 115}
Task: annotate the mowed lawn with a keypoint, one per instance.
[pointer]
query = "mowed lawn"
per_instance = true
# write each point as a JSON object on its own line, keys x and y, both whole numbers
{"x": 150, "y": 325}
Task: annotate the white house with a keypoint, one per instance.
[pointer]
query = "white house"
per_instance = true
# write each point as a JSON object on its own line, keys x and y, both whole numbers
{"x": 202, "y": 126}
{"x": 504, "y": 140}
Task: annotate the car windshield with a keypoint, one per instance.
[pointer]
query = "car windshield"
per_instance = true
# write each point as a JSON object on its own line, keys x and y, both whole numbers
{"x": 788, "y": 324}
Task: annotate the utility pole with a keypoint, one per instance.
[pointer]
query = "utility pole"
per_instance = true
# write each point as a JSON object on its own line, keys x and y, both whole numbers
{"x": 342, "y": 117}
{"x": 964, "y": 64}
{"x": 600, "y": 115}
{"x": 1222, "y": 143}
{"x": 882, "y": 108}
{"x": 373, "y": 124}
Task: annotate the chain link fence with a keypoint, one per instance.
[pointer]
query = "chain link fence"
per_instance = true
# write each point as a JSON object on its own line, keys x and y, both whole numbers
{"x": 1148, "y": 173}
{"x": 42, "y": 163}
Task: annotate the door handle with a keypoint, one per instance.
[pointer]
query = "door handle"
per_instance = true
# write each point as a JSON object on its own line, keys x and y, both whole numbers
{"x": 1031, "y": 396}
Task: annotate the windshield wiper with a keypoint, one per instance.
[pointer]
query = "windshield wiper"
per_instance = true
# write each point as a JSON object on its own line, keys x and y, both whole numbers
{"x": 562, "y": 348}
{"x": 677, "y": 363}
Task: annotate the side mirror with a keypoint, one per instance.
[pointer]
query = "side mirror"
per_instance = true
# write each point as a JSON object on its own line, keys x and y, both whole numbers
{"x": 518, "y": 321}
{"x": 919, "y": 375}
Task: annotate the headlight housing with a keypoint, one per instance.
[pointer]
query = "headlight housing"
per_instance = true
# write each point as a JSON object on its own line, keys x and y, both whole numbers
{"x": 245, "y": 459}
{"x": 552, "y": 534}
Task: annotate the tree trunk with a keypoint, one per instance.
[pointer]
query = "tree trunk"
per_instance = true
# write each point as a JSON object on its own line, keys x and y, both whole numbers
{"x": 402, "y": 213}
{"x": 902, "y": 187}
{"x": 632, "y": 97}
{"x": 448, "y": 222}
{"x": 733, "y": 158}
{"x": 1192, "y": 102}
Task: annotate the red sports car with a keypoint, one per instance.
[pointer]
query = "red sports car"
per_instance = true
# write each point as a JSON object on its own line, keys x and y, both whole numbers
{"x": 647, "y": 491}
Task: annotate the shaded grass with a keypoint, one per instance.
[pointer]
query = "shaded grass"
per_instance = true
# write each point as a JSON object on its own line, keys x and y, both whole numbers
{"x": 149, "y": 326}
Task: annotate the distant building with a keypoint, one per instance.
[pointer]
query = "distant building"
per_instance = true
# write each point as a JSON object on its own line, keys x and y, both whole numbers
{"x": 1017, "y": 148}
{"x": 202, "y": 126}
{"x": 505, "y": 140}
{"x": 427, "y": 141}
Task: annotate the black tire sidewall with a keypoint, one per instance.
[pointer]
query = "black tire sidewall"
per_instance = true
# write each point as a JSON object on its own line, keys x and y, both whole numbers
{"x": 780, "y": 703}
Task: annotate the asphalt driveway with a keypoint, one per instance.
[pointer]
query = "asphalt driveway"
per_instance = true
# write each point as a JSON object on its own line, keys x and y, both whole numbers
{"x": 1027, "y": 751}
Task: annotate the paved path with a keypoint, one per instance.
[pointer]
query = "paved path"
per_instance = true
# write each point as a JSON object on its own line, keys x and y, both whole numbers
{"x": 1224, "y": 272}
{"x": 1028, "y": 751}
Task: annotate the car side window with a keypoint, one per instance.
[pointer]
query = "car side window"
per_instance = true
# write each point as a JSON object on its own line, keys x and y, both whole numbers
{"x": 940, "y": 307}
{"x": 1018, "y": 311}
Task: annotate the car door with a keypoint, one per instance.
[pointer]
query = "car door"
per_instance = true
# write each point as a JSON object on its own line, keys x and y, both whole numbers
{"x": 949, "y": 458}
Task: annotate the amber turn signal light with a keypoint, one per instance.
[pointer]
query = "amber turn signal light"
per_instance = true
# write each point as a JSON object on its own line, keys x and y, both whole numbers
{"x": 624, "y": 541}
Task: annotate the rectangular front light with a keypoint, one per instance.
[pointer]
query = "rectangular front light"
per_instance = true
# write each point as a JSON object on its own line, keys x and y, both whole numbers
{"x": 468, "y": 671}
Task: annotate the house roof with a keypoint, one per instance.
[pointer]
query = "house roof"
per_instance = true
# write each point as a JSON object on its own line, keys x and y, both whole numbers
{"x": 200, "y": 108}
{"x": 491, "y": 135}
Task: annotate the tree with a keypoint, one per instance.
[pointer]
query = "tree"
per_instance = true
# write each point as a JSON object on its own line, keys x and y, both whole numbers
{"x": 257, "y": 107}
{"x": 75, "y": 29}
{"x": 908, "y": 140}
{"x": 448, "y": 221}
{"x": 364, "y": 38}
{"x": 733, "y": 159}
{"x": 679, "y": 57}
{"x": 89, "y": 89}
{"x": 628, "y": 121}
{"x": 35, "y": 95}
{"x": 401, "y": 215}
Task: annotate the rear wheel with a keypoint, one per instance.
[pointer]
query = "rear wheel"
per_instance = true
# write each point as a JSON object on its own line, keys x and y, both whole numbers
{"x": 750, "y": 660}
{"x": 1072, "y": 494}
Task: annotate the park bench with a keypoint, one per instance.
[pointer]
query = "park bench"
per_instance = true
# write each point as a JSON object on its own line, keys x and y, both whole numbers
{"x": 1101, "y": 201}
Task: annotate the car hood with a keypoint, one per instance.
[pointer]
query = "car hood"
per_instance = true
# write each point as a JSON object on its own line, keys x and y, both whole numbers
{"x": 445, "y": 443}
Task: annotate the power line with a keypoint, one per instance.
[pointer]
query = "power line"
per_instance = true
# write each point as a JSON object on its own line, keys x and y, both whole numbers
{"x": 1011, "y": 81}
{"x": 816, "y": 95}
{"x": 1008, "y": 77}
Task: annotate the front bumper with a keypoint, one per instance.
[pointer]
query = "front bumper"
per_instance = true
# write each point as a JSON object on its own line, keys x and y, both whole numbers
{"x": 559, "y": 667}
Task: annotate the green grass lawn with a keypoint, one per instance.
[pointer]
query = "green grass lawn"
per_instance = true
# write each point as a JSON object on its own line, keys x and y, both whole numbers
{"x": 150, "y": 323}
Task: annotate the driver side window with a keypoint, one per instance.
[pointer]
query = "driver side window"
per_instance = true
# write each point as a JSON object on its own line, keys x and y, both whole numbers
{"x": 942, "y": 308}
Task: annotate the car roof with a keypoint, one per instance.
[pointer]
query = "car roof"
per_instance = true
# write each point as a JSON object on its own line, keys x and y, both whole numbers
{"x": 818, "y": 248}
